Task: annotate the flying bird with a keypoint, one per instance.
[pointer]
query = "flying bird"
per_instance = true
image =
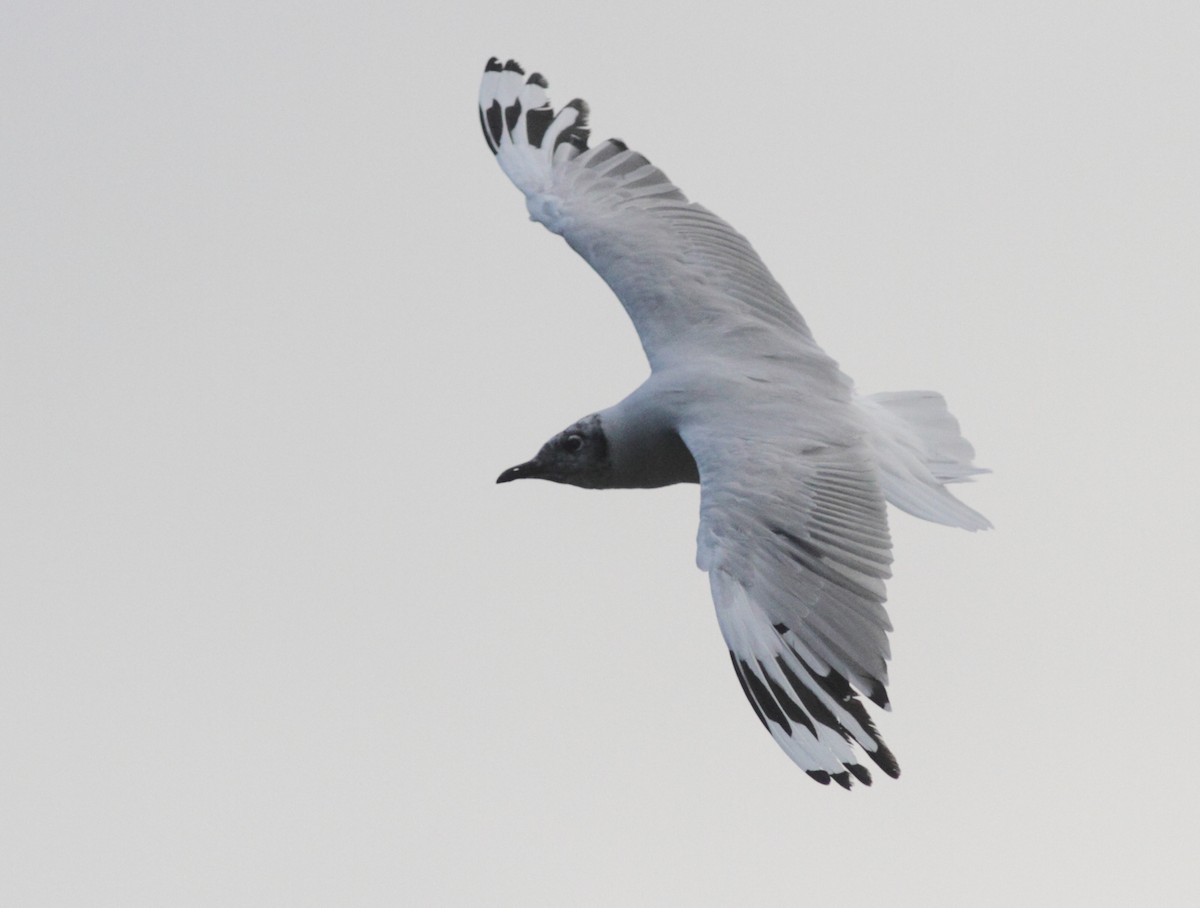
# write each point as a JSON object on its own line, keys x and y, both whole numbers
{"x": 794, "y": 465}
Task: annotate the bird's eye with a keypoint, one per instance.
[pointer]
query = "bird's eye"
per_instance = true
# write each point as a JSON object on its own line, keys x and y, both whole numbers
{"x": 572, "y": 444}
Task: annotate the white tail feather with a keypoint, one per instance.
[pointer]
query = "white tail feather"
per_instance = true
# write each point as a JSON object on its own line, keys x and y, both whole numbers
{"x": 919, "y": 449}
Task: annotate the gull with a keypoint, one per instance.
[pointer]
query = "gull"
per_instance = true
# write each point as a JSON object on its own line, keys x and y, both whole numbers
{"x": 795, "y": 467}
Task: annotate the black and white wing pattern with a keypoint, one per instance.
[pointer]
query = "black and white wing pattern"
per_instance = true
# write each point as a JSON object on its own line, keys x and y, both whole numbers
{"x": 687, "y": 279}
{"x": 794, "y": 536}
{"x": 793, "y": 528}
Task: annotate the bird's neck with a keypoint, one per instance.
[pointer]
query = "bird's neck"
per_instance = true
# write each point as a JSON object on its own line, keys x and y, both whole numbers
{"x": 644, "y": 447}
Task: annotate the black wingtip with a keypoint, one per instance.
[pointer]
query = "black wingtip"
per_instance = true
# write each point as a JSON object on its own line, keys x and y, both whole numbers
{"x": 762, "y": 696}
{"x": 860, "y": 772}
{"x": 537, "y": 79}
{"x": 493, "y": 65}
{"x": 537, "y": 121}
{"x": 513, "y": 66}
{"x": 493, "y": 125}
{"x": 885, "y": 760}
{"x": 879, "y": 697}
{"x": 580, "y": 105}
{"x": 512, "y": 113}
{"x": 843, "y": 779}
{"x": 577, "y": 133}
{"x": 737, "y": 670}
{"x": 818, "y": 775}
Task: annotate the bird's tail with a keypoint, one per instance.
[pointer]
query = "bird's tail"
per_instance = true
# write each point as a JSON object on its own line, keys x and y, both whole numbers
{"x": 919, "y": 449}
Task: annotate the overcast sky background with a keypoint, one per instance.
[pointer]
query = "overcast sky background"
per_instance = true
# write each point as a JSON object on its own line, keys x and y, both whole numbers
{"x": 272, "y": 320}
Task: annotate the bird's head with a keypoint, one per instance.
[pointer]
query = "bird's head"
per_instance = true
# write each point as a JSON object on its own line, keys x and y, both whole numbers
{"x": 577, "y": 456}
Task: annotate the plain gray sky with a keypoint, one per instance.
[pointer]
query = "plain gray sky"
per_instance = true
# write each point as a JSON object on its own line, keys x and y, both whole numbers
{"x": 272, "y": 320}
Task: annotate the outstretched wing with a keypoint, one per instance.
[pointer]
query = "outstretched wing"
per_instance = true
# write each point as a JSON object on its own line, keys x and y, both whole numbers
{"x": 793, "y": 533}
{"x": 687, "y": 279}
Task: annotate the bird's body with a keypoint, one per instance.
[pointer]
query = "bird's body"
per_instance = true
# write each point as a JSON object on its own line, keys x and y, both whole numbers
{"x": 794, "y": 466}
